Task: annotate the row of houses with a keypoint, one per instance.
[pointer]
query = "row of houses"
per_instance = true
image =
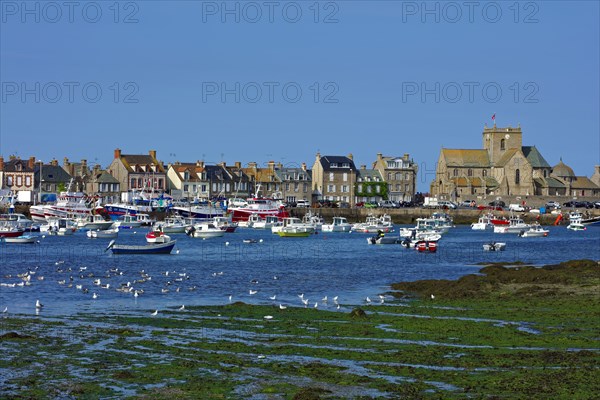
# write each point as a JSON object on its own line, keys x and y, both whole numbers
{"x": 333, "y": 178}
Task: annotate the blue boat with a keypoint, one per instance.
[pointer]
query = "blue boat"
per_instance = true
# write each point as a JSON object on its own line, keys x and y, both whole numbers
{"x": 161, "y": 248}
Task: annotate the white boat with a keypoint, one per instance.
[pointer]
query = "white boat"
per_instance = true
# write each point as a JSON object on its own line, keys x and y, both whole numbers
{"x": 256, "y": 222}
{"x": 315, "y": 220}
{"x": 429, "y": 237}
{"x": 339, "y": 224}
{"x": 535, "y": 231}
{"x": 145, "y": 219}
{"x": 128, "y": 221}
{"x": 442, "y": 222}
{"x": 225, "y": 224}
{"x": 59, "y": 226}
{"x": 374, "y": 224}
{"x": 424, "y": 226}
{"x": 494, "y": 246}
{"x": 576, "y": 222}
{"x": 483, "y": 223}
{"x": 204, "y": 230}
{"x": 515, "y": 225}
{"x": 171, "y": 225}
{"x": 94, "y": 222}
{"x": 17, "y": 220}
{"x": 23, "y": 239}
{"x": 103, "y": 234}
{"x": 203, "y": 210}
{"x": 68, "y": 203}
{"x": 293, "y": 225}
{"x": 380, "y": 238}
{"x": 257, "y": 205}
{"x": 157, "y": 236}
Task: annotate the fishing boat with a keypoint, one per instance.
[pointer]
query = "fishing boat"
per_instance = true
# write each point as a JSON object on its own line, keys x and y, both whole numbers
{"x": 535, "y": 231}
{"x": 293, "y": 225}
{"x": 7, "y": 231}
{"x": 94, "y": 222}
{"x": 172, "y": 225}
{"x": 161, "y": 248}
{"x": 204, "y": 230}
{"x": 128, "y": 221}
{"x": 145, "y": 219}
{"x": 68, "y": 204}
{"x": 374, "y": 224}
{"x": 312, "y": 219}
{"x": 516, "y": 225}
{"x": 16, "y": 219}
{"x": 59, "y": 226}
{"x": 256, "y": 222}
{"x": 427, "y": 236}
{"x": 425, "y": 246}
{"x": 380, "y": 238}
{"x": 225, "y": 224}
{"x": 295, "y": 231}
{"x": 483, "y": 223}
{"x": 157, "y": 236}
{"x": 339, "y": 224}
{"x": 202, "y": 210}
{"x": 494, "y": 246}
{"x": 261, "y": 206}
{"x": 103, "y": 234}
{"x": 23, "y": 239}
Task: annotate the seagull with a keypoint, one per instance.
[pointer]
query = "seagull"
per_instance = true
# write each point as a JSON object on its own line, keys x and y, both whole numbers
{"x": 316, "y": 305}
{"x": 335, "y": 299}
{"x": 5, "y": 310}
{"x": 273, "y": 297}
{"x": 182, "y": 307}
{"x": 268, "y": 317}
{"x": 368, "y": 300}
{"x": 226, "y": 243}
{"x": 94, "y": 296}
{"x": 155, "y": 312}
{"x": 282, "y": 307}
{"x": 275, "y": 277}
{"x": 177, "y": 251}
{"x": 135, "y": 294}
{"x": 432, "y": 297}
{"x": 253, "y": 291}
{"x": 305, "y": 301}
{"x": 324, "y": 299}
{"x": 301, "y": 295}
{"x": 338, "y": 307}
{"x": 260, "y": 240}
{"x": 230, "y": 296}
{"x": 38, "y": 304}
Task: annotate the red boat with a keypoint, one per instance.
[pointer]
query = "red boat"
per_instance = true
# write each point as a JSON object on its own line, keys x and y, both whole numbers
{"x": 9, "y": 231}
{"x": 157, "y": 237}
{"x": 424, "y": 246}
{"x": 499, "y": 221}
{"x": 258, "y": 205}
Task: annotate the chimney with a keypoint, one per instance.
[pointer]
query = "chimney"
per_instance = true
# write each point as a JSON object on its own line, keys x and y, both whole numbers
{"x": 271, "y": 165}
{"x": 96, "y": 168}
{"x": 31, "y": 163}
{"x": 350, "y": 156}
{"x": 117, "y": 153}
{"x": 303, "y": 166}
{"x": 66, "y": 162}
{"x": 279, "y": 165}
{"x": 1, "y": 163}
{"x": 363, "y": 167}
{"x": 152, "y": 154}
{"x": 83, "y": 165}
{"x": 12, "y": 157}
{"x": 54, "y": 162}
{"x": 238, "y": 165}
{"x": 379, "y": 156}
{"x": 318, "y": 156}
{"x": 252, "y": 165}
{"x": 200, "y": 164}
{"x": 406, "y": 156}
{"x": 223, "y": 164}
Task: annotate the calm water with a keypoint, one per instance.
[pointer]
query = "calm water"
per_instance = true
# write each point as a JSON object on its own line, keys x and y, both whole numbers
{"x": 329, "y": 264}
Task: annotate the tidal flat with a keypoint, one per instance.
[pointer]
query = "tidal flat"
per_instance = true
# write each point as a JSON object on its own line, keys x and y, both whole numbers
{"x": 507, "y": 332}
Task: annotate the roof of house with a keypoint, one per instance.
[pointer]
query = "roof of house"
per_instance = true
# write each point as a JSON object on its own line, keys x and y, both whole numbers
{"x": 287, "y": 174}
{"x": 131, "y": 160}
{"x": 105, "y": 177}
{"x": 363, "y": 175}
{"x": 54, "y": 174}
{"x": 549, "y": 183}
{"x": 17, "y": 165}
{"x": 327, "y": 161}
{"x": 534, "y": 157}
{"x": 192, "y": 168}
{"x": 217, "y": 173}
{"x": 466, "y": 157}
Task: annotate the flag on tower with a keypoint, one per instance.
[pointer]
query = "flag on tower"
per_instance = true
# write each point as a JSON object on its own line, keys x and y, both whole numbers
{"x": 494, "y": 117}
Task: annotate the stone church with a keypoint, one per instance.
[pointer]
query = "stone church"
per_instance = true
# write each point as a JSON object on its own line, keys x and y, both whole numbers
{"x": 505, "y": 167}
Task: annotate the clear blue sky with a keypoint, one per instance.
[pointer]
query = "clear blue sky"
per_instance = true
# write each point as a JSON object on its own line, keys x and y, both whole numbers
{"x": 374, "y": 58}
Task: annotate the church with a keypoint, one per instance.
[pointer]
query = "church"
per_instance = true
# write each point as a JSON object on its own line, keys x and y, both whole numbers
{"x": 504, "y": 167}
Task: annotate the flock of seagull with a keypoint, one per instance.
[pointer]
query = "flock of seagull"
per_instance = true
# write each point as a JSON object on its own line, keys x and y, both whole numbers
{"x": 86, "y": 282}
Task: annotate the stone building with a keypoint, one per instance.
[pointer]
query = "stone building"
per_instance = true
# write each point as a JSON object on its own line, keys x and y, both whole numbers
{"x": 503, "y": 167}
{"x": 572, "y": 185}
{"x": 370, "y": 186}
{"x": 334, "y": 178}
{"x": 295, "y": 183}
{"x": 400, "y": 174}
{"x": 17, "y": 174}
{"x": 138, "y": 171}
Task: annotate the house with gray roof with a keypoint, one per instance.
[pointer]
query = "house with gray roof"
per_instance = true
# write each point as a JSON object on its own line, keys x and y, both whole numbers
{"x": 334, "y": 178}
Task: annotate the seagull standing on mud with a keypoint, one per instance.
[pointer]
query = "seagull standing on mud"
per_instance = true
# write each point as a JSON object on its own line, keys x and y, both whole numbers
{"x": 38, "y": 304}
{"x": 182, "y": 308}
{"x": 154, "y": 313}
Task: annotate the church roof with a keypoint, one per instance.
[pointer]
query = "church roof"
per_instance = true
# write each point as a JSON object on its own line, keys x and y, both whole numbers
{"x": 506, "y": 157}
{"x": 466, "y": 158}
{"x": 583, "y": 182}
{"x": 562, "y": 170}
{"x": 534, "y": 157}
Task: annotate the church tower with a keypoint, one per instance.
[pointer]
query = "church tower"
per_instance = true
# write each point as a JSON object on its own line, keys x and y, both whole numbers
{"x": 498, "y": 140}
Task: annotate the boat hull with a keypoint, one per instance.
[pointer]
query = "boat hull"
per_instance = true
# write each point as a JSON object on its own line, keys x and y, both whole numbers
{"x": 164, "y": 248}
{"x": 25, "y": 239}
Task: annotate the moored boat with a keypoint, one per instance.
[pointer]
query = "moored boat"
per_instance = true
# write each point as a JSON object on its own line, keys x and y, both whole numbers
{"x": 225, "y": 224}
{"x": 339, "y": 224}
{"x": 23, "y": 239}
{"x": 516, "y": 225}
{"x": 204, "y": 230}
{"x": 494, "y": 246}
{"x": 161, "y": 248}
{"x": 103, "y": 234}
{"x": 535, "y": 231}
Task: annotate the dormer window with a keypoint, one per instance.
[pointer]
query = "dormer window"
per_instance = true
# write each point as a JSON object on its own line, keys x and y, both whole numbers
{"x": 345, "y": 165}
{"x": 334, "y": 165}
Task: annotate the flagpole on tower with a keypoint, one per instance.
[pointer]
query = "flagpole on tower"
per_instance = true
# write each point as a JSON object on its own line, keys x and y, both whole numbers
{"x": 494, "y": 119}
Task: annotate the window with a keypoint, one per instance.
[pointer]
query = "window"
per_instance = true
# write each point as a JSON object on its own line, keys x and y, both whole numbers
{"x": 331, "y": 177}
{"x": 287, "y": 186}
{"x": 398, "y": 187}
{"x": 407, "y": 176}
{"x": 545, "y": 174}
{"x": 214, "y": 187}
{"x": 345, "y": 165}
{"x": 331, "y": 188}
{"x": 203, "y": 188}
{"x": 333, "y": 165}
{"x": 455, "y": 172}
{"x": 19, "y": 180}
{"x": 345, "y": 177}
{"x": 133, "y": 183}
{"x": 378, "y": 189}
{"x": 484, "y": 172}
{"x": 186, "y": 188}
{"x": 517, "y": 177}
{"x": 28, "y": 180}
{"x": 344, "y": 188}
{"x": 502, "y": 144}
{"x": 160, "y": 183}
{"x": 369, "y": 189}
{"x": 360, "y": 188}
{"x": 296, "y": 186}
{"x": 186, "y": 176}
{"x": 406, "y": 187}
{"x": 390, "y": 176}
{"x": 469, "y": 172}
{"x": 398, "y": 176}
{"x": 305, "y": 187}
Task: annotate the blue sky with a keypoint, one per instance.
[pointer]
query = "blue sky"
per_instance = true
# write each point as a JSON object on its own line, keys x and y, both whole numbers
{"x": 187, "y": 79}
